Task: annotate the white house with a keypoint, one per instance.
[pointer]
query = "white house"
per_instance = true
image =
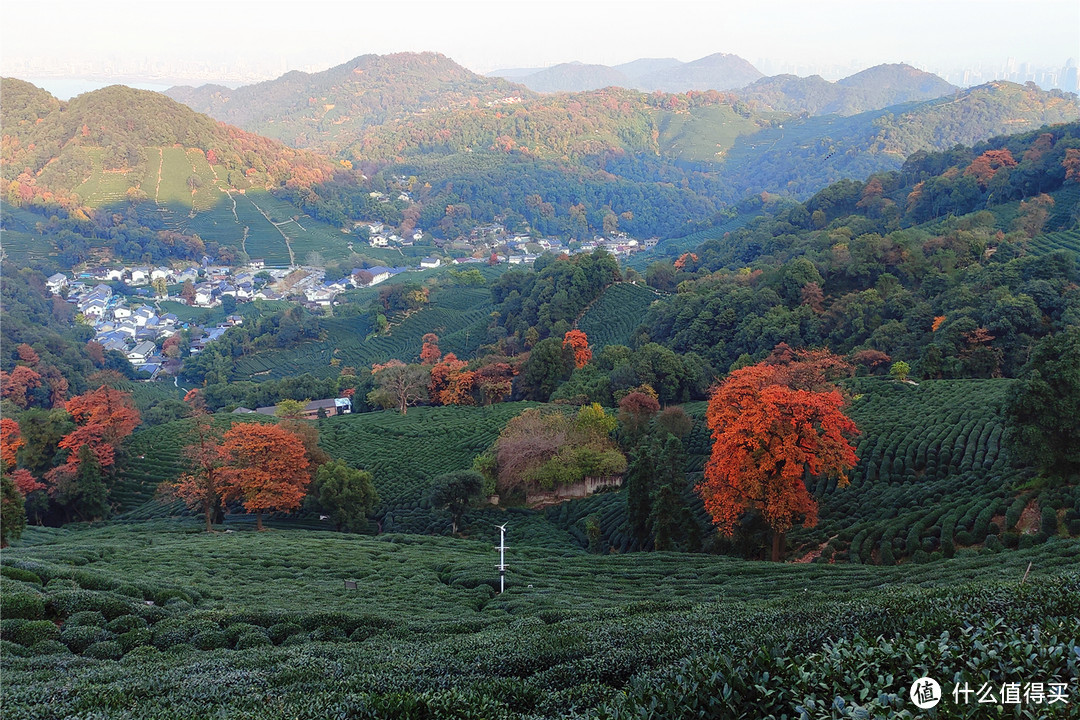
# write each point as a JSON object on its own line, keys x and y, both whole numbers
{"x": 429, "y": 262}
{"x": 142, "y": 315}
{"x": 56, "y": 282}
{"x": 140, "y": 352}
{"x": 93, "y": 309}
{"x": 204, "y": 296}
{"x": 139, "y": 276}
{"x": 120, "y": 312}
{"x": 378, "y": 241}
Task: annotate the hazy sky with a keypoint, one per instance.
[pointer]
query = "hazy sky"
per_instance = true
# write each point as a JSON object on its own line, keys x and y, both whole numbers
{"x": 483, "y": 36}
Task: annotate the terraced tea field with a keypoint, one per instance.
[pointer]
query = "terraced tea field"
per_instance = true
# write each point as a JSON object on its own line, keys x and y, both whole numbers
{"x": 459, "y": 317}
{"x": 616, "y": 314}
{"x": 158, "y": 620}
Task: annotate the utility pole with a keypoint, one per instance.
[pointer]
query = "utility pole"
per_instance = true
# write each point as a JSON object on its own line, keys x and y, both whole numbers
{"x": 501, "y": 567}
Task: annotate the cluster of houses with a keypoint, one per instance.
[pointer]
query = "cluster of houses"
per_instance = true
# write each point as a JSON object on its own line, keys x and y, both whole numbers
{"x": 380, "y": 236}
{"x": 136, "y": 330}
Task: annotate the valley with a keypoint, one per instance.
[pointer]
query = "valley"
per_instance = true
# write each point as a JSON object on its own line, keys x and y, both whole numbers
{"x": 773, "y": 384}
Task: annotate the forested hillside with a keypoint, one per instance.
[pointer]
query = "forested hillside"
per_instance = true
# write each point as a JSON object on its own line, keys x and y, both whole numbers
{"x": 872, "y": 89}
{"x": 329, "y": 109}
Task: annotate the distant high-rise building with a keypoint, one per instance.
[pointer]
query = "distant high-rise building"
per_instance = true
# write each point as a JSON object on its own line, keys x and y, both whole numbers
{"x": 1069, "y": 79}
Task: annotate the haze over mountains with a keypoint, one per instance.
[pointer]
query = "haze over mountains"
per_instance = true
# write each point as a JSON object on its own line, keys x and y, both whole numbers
{"x": 368, "y": 90}
{"x": 873, "y": 88}
{"x": 482, "y": 148}
{"x": 720, "y": 71}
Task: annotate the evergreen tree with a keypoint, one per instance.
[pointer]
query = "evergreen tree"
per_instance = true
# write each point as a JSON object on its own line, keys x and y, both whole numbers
{"x": 639, "y": 482}
{"x": 12, "y": 512}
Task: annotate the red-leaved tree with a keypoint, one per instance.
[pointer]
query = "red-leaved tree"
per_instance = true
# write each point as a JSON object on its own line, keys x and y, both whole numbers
{"x": 579, "y": 342}
{"x": 265, "y": 467}
{"x": 773, "y": 426}
{"x": 430, "y": 353}
{"x": 200, "y": 487}
{"x": 10, "y": 442}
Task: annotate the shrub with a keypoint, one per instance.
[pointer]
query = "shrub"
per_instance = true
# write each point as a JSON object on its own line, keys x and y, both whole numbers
{"x": 19, "y": 574}
{"x": 1049, "y": 523}
{"x": 167, "y": 634}
{"x": 130, "y": 591}
{"x": 328, "y": 633}
{"x": 162, "y": 597}
{"x": 86, "y": 617}
{"x": 993, "y": 544}
{"x": 142, "y": 653}
{"x": 252, "y": 640}
{"x": 210, "y": 640}
{"x": 1011, "y": 540}
{"x": 297, "y": 639}
{"x": 35, "y": 631}
{"x": 105, "y": 650}
{"x": 61, "y": 584}
{"x": 80, "y": 637}
{"x": 49, "y": 647}
{"x": 279, "y": 632}
{"x": 125, "y": 623}
{"x": 964, "y": 538}
{"x": 1074, "y": 527}
{"x": 235, "y": 630}
{"x": 132, "y": 639}
{"x": 21, "y": 605}
{"x": 10, "y": 649}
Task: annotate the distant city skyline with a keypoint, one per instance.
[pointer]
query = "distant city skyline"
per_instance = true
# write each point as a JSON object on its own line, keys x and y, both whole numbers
{"x": 162, "y": 42}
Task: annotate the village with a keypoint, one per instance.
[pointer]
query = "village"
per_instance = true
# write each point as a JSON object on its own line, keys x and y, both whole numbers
{"x": 493, "y": 241}
{"x": 123, "y": 304}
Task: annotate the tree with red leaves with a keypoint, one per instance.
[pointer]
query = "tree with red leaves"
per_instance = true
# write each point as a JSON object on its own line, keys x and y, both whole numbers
{"x": 104, "y": 417}
{"x": 579, "y": 342}
{"x": 430, "y": 353}
{"x": 264, "y": 466}
{"x": 10, "y": 442}
{"x": 27, "y": 355}
{"x": 17, "y": 385}
{"x": 770, "y": 432}
{"x": 200, "y": 487}
{"x": 451, "y": 383}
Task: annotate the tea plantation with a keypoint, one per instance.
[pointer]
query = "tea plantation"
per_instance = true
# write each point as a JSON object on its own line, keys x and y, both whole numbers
{"x": 159, "y": 620}
{"x": 613, "y": 317}
{"x": 933, "y": 477}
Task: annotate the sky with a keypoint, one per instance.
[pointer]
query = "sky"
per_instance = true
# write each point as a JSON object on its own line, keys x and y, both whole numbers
{"x": 247, "y": 38}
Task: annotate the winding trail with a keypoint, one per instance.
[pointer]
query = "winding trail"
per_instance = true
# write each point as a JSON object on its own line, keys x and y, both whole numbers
{"x": 292, "y": 256}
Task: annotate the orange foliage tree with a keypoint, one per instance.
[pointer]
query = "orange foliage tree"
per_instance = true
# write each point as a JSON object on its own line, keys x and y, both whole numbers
{"x": 430, "y": 353}
{"x": 451, "y": 383}
{"x": 16, "y": 385}
{"x": 579, "y": 342}
{"x": 200, "y": 487}
{"x": 770, "y": 431}
{"x": 10, "y": 442}
{"x": 265, "y": 466}
{"x": 104, "y": 417}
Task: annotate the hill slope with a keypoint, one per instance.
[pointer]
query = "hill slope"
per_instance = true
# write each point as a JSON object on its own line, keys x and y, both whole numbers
{"x": 328, "y": 109}
{"x": 872, "y": 89}
{"x": 153, "y": 165}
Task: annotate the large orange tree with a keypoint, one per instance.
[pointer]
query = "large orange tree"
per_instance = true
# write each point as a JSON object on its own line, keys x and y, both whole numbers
{"x": 774, "y": 425}
{"x": 264, "y": 466}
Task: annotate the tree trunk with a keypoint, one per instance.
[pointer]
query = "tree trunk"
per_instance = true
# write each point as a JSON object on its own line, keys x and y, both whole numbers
{"x": 777, "y": 546}
{"x": 209, "y": 513}
{"x": 258, "y": 521}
